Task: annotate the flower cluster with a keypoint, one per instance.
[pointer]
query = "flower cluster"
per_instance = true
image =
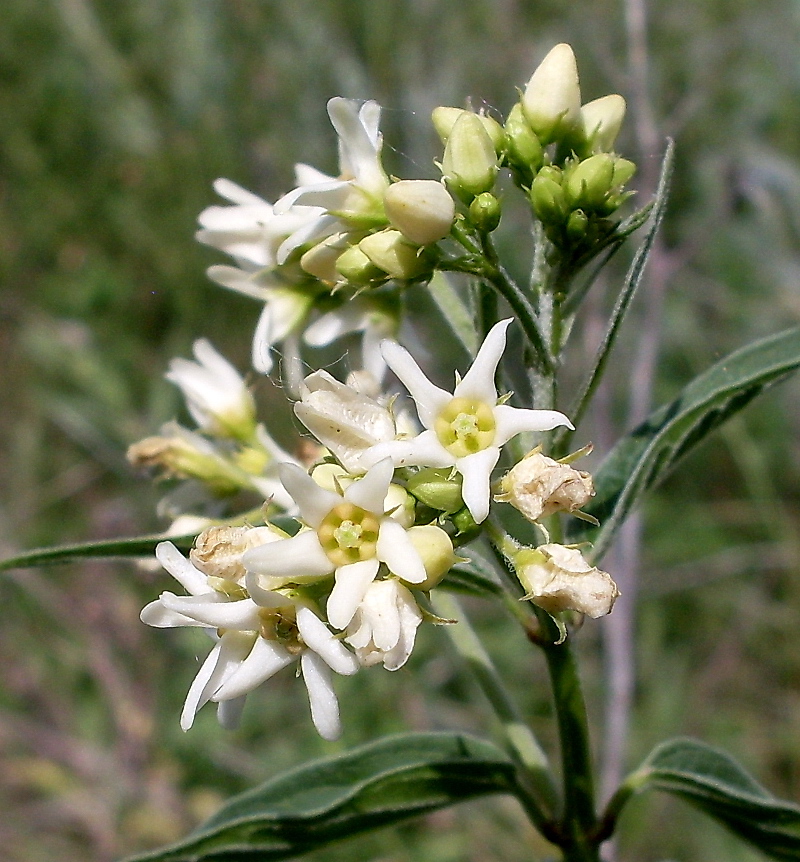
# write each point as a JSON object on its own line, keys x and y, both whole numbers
{"x": 366, "y": 523}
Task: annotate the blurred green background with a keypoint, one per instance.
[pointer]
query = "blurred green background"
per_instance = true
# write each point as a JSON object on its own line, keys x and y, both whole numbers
{"x": 117, "y": 115}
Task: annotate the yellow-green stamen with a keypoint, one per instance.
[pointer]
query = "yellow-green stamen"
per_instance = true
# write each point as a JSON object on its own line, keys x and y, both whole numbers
{"x": 465, "y": 426}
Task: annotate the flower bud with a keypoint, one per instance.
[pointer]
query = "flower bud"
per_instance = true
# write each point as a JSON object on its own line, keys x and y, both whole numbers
{"x": 484, "y": 212}
{"x": 523, "y": 147}
{"x": 421, "y": 210}
{"x": 539, "y": 486}
{"x": 355, "y": 267}
{"x": 217, "y": 551}
{"x": 602, "y": 120}
{"x": 320, "y": 260}
{"x": 558, "y": 578}
{"x": 331, "y": 477}
{"x": 399, "y": 504}
{"x": 469, "y": 164}
{"x": 589, "y": 183}
{"x": 439, "y": 488}
{"x": 552, "y": 99}
{"x": 394, "y": 254}
{"x": 185, "y": 455}
{"x": 548, "y": 199}
{"x": 445, "y": 118}
{"x": 577, "y": 224}
{"x": 623, "y": 172}
{"x": 436, "y": 552}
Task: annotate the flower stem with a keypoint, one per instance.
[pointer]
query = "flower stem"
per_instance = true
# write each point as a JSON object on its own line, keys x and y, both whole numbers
{"x": 536, "y": 781}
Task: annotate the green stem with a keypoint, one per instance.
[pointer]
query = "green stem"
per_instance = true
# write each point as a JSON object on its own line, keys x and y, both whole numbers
{"x": 538, "y": 790}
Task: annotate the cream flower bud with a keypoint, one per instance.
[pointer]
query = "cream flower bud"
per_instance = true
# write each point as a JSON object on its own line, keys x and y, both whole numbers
{"x": 421, "y": 210}
{"x": 218, "y": 550}
{"x": 436, "y": 552}
{"x": 469, "y": 164}
{"x": 602, "y": 119}
{"x": 557, "y": 578}
{"x": 445, "y": 118}
{"x": 320, "y": 260}
{"x": 394, "y": 254}
{"x": 552, "y": 99}
{"x": 539, "y": 486}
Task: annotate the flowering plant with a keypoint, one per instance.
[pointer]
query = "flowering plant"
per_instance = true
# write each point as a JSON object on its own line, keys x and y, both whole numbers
{"x": 335, "y": 554}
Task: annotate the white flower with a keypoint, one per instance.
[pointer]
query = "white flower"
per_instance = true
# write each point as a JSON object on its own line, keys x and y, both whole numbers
{"x": 353, "y": 198}
{"x": 349, "y": 537}
{"x": 346, "y": 422}
{"x": 385, "y": 625}
{"x": 215, "y": 393}
{"x": 464, "y": 429}
{"x": 250, "y": 231}
{"x": 258, "y": 632}
{"x": 558, "y": 578}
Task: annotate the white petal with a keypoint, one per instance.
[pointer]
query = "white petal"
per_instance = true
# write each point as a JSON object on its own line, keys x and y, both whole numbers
{"x": 430, "y": 399}
{"x": 478, "y": 382}
{"x": 512, "y": 420}
{"x": 397, "y": 551}
{"x": 359, "y": 141}
{"x": 240, "y": 614}
{"x": 351, "y": 584}
{"x": 476, "y": 470}
{"x": 242, "y": 282}
{"x": 229, "y": 712}
{"x": 221, "y": 662}
{"x": 323, "y": 226}
{"x": 410, "y": 618}
{"x": 191, "y": 579}
{"x": 370, "y": 492}
{"x": 314, "y": 502}
{"x": 265, "y": 659}
{"x": 234, "y": 193}
{"x": 319, "y": 638}
{"x": 321, "y": 696}
{"x": 298, "y": 560}
{"x": 156, "y": 615}
{"x": 424, "y": 450}
{"x": 262, "y": 597}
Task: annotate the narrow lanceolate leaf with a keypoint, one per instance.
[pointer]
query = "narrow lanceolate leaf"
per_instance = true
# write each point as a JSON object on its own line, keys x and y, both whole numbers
{"x": 455, "y": 311}
{"x": 141, "y": 546}
{"x": 715, "y": 783}
{"x": 643, "y": 457}
{"x": 372, "y": 786}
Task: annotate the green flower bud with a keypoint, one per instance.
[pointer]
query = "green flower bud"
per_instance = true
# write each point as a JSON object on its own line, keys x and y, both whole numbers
{"x": 552, "y": 98}
{"x": 623, "y": 171}
{"x": 470, "y": 162}
{"x": 549, "y": 201}
{"x": 523, "y": 147}
{"x": 465, "y": 524}
{"x": 354, "y": 266}
{"x": 485, "y": 212}
{"x": 602, "y": 120}
{"x": 439, "y": 488}
{"x": 577, "y": 223}
{"x": 422, "y": 210}
{"x": 436, "y": 552}
{"x": 445, "y": 118}
{"x": 589, "y": 183}
{"x": 394, "y": 254}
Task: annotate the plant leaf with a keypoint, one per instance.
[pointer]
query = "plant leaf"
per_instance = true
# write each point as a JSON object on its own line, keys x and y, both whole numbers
{"x": 455, "y": 311}
{"x": 372, "y": 786}
{"x": 643, "y": 457}
{"x": 714, "y": 782}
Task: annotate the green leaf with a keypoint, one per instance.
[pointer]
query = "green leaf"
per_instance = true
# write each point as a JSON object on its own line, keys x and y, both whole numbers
{"x": 141, "y": 546}
{"x": 629, "y": 287}
{"x": 715, "y": 783}
{"x": 372, "y": 786}
{"x": 643, "y": 457}
{"x": 455, "y": 311}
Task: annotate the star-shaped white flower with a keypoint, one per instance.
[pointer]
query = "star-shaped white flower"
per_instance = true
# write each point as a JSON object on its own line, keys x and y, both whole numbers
{"x": 349, "y": 537}
{"x": 466, "y": 428}
{"x": 258, "y": 632}
{"x": 356, "y": 195}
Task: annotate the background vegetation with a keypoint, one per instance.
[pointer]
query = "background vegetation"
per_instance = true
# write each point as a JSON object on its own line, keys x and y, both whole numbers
{"x": 117, "y": 117}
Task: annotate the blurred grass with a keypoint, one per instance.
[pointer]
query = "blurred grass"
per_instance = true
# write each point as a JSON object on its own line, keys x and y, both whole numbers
{"x": 117, "y": 117}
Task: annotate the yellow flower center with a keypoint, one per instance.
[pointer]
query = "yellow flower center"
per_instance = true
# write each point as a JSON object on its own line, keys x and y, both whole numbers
{"x": 349, "y": 534}
{"x": 465, "y": 426}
